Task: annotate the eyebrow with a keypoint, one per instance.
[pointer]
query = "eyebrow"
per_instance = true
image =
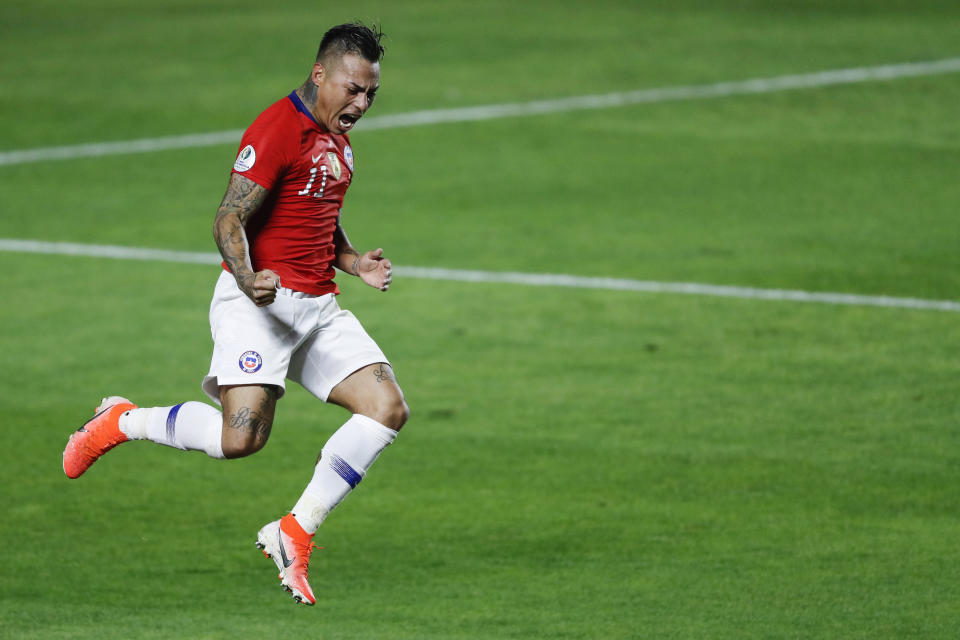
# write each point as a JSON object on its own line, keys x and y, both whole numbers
{"x": 361, "y": 87}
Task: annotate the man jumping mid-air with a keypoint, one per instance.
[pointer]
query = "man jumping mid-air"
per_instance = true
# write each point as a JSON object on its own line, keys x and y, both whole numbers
{"x": 274, "y": 313}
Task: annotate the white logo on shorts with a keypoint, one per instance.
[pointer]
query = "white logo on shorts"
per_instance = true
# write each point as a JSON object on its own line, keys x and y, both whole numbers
{"x": 250, "y": 362}
{"x": 246, "y": 159}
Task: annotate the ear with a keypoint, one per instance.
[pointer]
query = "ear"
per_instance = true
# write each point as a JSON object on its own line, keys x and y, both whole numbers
{"x": 318, "y": 74}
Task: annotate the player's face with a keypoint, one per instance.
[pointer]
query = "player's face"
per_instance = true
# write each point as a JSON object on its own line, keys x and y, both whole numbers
{"x": 345, "y": 91}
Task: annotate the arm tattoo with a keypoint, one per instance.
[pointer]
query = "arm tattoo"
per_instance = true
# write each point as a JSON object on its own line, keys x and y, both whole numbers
{"x": 242, "y": 199}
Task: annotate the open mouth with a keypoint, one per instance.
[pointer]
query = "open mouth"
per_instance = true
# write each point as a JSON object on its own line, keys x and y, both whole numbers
{"x": 347, "y": 120}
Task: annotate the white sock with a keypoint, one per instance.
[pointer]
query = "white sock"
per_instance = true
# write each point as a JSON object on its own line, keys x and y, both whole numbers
{"x": 343, "y": 463}
{"x": 191, "y": 426}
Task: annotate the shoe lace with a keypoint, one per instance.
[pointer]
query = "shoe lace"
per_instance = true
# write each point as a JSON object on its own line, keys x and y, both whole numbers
{"x": 303, "y": 551}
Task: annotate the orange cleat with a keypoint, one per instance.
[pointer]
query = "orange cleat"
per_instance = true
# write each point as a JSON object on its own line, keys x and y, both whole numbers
{"x": 100, "y": 434}
{"x": 287, "y": 544}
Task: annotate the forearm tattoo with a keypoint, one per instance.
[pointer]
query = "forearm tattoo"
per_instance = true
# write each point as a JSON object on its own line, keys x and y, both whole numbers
{"x": 242, "y": 199}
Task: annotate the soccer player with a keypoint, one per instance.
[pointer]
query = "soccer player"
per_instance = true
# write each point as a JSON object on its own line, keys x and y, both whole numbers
{"x": 274, "y": 313}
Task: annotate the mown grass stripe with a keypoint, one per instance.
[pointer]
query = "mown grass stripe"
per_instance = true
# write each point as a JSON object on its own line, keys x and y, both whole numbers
{"x": 532, "y": 108}
{"x": 504, "y": 277}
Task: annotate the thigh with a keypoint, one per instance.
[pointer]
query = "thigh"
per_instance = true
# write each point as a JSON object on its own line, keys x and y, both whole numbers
{"x": 248, "y": 412}
{"x": 373, "y": 391}
{"x": 251, "y": 345}
{"x": 335, "y": 351}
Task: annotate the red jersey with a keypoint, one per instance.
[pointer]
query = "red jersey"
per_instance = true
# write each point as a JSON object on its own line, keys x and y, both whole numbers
{"x": 307, "y": 171}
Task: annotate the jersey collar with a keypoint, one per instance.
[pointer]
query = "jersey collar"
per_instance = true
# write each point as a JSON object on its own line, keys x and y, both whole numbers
{"x": 302, "y": 108}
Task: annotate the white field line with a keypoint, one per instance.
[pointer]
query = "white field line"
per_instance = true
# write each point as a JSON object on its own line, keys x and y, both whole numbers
{"x": 530, "y": 279}
{"x": 536, "y": 107}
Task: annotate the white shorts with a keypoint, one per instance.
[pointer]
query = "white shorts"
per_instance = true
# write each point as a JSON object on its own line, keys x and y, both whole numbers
{"x": 308, "y": 339}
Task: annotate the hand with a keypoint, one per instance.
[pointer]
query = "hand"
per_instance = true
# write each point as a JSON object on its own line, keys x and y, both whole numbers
{"x": 261, "y": 287}
{"x": 375, "y": 270}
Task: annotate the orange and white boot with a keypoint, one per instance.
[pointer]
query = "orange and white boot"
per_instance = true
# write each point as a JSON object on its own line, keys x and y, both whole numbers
{"x": 287, "y": 544}
{"x": 100, "y": 434}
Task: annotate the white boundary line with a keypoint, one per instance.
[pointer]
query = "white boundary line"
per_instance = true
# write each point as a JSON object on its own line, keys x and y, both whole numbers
{"x": 493, "y": 111}
{"x": 530, "y": 279}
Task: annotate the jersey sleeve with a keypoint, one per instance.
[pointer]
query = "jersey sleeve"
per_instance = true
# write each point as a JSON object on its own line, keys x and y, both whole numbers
{"x": 265, "y": 150}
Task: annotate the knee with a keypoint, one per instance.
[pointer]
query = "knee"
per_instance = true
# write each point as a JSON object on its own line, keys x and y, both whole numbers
{"x": 241, "y": 449}
{"x": 401, "y": 415}
{"x": 239, "y": 440}
{"x": 247, "y": 418}
{"x": 393, "y": 414}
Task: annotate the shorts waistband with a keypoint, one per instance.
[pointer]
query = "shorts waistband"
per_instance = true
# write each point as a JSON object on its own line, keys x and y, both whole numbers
{"x": 226, "y": 279}
{"x": 299, "y": 295}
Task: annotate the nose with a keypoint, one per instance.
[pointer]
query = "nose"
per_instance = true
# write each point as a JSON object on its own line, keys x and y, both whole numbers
{"x": 361, "y": 102}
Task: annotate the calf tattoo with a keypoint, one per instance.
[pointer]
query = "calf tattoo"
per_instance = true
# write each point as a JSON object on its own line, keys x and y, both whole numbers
{"x": 247, "y": 421}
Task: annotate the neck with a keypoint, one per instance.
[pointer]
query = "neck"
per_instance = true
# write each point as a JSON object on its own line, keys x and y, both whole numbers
{"x": 308, "y": 94}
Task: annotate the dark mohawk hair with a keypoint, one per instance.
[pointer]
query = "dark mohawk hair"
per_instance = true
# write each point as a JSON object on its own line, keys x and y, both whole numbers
{"x": 352, "y": 38}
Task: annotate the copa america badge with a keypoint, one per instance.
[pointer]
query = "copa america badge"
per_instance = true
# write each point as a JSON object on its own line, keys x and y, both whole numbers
{"x": 246, "y": 159}
{"x": 250, "y": 362}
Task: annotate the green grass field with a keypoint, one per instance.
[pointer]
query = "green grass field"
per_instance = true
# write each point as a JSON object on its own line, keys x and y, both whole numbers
{"x": 579, "y": 463}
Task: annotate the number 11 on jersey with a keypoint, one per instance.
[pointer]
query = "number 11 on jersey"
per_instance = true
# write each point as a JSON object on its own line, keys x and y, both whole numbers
{"x": 313, "y": 175}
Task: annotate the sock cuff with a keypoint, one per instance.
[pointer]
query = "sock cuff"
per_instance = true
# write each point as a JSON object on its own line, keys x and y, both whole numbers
{"x": 135, "y": 424}
{"x": 292, "y": 527}
{"x": 382, "y": 432}
{"x": 188, "y": 426}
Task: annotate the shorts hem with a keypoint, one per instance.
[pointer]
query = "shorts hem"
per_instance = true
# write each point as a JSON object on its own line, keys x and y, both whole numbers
{"x": 211, "y": 384}
{"x": 355, "y": 365}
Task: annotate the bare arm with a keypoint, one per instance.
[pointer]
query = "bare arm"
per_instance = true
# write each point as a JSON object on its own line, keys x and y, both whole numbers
{"x": 345, "y": 256}
{"x": 241, "y": 201}
{"x": 371, "y": 266}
